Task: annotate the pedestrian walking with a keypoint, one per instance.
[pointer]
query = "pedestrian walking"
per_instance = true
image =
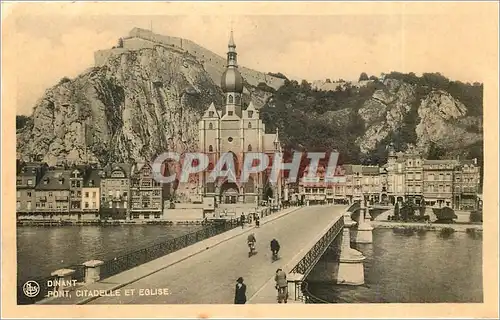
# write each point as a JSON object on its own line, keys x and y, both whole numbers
{"x": 257, "y": 221}
{"x": 240, "y": 294}
{"x": 281, "y": 285}
{"x": 242, "y": 220}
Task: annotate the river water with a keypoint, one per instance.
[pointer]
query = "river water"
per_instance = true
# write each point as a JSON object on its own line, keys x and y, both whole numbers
{"x": 42, "y": 250}
{"x": 398, "y": 268}
{"x": 414, "y": 268}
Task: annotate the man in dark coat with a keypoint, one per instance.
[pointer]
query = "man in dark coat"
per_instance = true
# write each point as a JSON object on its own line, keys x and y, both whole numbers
{"x": 240, "y": 296}
{"x": 242, "y": 220}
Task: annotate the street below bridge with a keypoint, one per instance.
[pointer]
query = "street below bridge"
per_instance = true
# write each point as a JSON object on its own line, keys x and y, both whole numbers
{"x": 210, "y": 276}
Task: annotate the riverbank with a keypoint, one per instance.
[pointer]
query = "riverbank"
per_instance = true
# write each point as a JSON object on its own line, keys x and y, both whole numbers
{"x": 462, "y": 227}
{"x": 55, "y": 223}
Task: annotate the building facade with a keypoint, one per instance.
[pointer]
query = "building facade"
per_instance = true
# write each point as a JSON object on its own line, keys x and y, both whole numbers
{"x": 236, "y": 132}
{"x": 91, "y": 195}
{"x": 115, "y": 191}
{"x": 52, "y": 195}
{"x": 146, "y": 194}
{"x": 28, "y": 176}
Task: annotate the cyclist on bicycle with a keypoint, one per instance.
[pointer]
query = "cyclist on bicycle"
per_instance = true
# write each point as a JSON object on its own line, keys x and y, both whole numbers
{"x": 275, "y": 247}
{"x": 251, "y": 241}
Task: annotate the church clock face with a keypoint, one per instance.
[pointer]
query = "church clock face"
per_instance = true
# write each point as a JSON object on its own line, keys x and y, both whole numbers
{"x": 230, "y": 139}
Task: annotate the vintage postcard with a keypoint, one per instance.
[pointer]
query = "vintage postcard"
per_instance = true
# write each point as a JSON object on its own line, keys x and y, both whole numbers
{"x": 245, "y": 159}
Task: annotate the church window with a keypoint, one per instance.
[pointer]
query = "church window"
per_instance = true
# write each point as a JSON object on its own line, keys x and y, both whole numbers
{"x": 250, "y": 114}
{"x": 211, "y": 114}
{"x": 210, "y": 148}
{"x": 230, "y": 100}
{"x": 230, "y": 139}
{"x": 210, "y": 126}
{"x": 249, "y": 125}
{"x": 229, "y": 113}
{"x": 249, "y": 147}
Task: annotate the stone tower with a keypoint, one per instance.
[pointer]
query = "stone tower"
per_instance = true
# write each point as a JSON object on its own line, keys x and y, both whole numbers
{"x": 234, "y": 131}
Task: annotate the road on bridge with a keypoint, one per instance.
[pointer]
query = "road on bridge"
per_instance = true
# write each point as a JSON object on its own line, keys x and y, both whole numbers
{"x": 210, "y": 276}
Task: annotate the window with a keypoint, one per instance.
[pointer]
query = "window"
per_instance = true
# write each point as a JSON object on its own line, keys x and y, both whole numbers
{"x": 145, "y": 204}
{"x": 94, "y": 205}
{"x": 18, "y": 205}
{"x": 418, "y": 176}
{"x": 30, "y": 182}
{"x": 250, "y": 114}
{"x": 157, "y": 215}
{"x": 136, "y": 216}
{"x": 210, "y": 148}
{"x": 249, "y": 125}
{"x": 125, "y": 194}
{"x": 249, "y": 147}
{"x": 94, "y": 194}
{"x": 146, "y": 216}
{"x": 86, "y": 205}
{"x": 111, "y": 204}
{"x": 156, "y": 192}
{"x": 230, "y": 99}
{"x": 229, "y": 113}
{"x": 86, "y": 194}
{"x": 110, "y": 193}
{"x": 211, "y": 115}
{"x": 238, "y": 99}
{"x": 210, "y": 126}
{"x": 19, "y": 194}
{"x": 230, "y": 139}
{"x": 28, "y": 205}
{"x": 50, "y": 194}
{"x": 125, "y": 204}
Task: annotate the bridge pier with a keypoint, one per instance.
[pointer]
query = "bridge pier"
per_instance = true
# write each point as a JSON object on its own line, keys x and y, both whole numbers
{"x": 364, "y": 233}
{"x": 350, "y": 270}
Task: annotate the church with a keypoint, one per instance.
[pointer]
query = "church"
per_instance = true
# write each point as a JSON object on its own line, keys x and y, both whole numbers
{"x": 236, "y": 131}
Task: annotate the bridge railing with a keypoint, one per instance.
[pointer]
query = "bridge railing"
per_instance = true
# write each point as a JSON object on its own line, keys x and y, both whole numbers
{"x": 307, "y": 296}
{"x": 136, "y": 258}
{"x": 128, "y": 261}
{"x": 305, "y": 265}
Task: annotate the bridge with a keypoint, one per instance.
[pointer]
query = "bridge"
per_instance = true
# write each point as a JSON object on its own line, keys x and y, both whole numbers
{"x": 206, "y": 272}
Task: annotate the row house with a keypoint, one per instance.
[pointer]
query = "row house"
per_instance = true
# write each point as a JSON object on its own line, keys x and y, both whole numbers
{"x": 362, "y": 181}
{"x": 146, "y": 193}
{"x": 466, "y": 185}
{"x": 115, "y": 191}
{"x": 28, "y": 175}
{"x": 320, "y": 189}
{"x": 52, "y": 196}
{"x": 438, "y": 182}
{"x": 91, "y": 194}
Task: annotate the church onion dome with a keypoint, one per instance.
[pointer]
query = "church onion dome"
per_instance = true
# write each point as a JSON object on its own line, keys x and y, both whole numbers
{"x": 232, "y": 81}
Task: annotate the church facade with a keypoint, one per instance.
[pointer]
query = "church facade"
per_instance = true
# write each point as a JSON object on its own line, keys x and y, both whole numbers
{"x": 236, "y": 131}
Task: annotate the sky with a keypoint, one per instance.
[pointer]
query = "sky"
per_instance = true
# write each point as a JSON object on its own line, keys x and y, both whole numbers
{"x": 43, "y": 42}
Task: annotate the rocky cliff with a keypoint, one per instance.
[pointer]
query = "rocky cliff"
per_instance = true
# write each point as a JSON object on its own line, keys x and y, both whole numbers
{"x": 441, "y": 119}
{"x": 137, "y": 105}
{"x": 142, "y": 101}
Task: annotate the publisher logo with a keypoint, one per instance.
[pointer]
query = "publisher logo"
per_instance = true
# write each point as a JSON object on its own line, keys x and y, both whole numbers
{"x": 31, "y": 289}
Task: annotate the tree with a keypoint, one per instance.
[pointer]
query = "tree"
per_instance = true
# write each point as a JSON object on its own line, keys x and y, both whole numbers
{"x": 396, "y": 211}
{"x": 363, "y": 77}
{"x": 21, "y": 121}
{"x": 373, "y": 78}
{"x": 422, "y": 208}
